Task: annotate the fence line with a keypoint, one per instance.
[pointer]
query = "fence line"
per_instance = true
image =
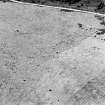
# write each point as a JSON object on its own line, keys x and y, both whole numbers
{"x": 14, "y": 1}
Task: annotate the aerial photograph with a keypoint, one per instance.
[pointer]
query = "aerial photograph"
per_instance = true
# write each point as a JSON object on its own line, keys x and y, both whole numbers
{"x": 52, "y": 52}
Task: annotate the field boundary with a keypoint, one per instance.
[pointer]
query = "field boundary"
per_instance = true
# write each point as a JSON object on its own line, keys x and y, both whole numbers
{"x": 57, "y": 7}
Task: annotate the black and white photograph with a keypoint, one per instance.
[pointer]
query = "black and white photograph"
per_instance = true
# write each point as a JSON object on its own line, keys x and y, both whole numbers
{"x": 52, "y": 52}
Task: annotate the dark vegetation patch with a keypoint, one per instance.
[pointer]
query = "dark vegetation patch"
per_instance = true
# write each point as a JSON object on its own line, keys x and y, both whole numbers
{"x": 66, "y": 10}
{"x": 101, "y": 31}
{"x": 80, "y": 25}
{"x": 102, "y": 22}
{"x": 101, "y": 18}
{"x": 89, "y": 5}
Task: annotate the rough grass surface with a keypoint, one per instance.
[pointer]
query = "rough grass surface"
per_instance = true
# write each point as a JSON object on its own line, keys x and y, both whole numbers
{"x": 50, "y": 57}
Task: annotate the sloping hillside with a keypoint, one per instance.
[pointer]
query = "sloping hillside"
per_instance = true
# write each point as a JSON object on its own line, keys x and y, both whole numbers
{"x": 51, "y": 57}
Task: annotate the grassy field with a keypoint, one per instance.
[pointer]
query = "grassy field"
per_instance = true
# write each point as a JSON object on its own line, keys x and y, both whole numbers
{"x": 51, "y": 57}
